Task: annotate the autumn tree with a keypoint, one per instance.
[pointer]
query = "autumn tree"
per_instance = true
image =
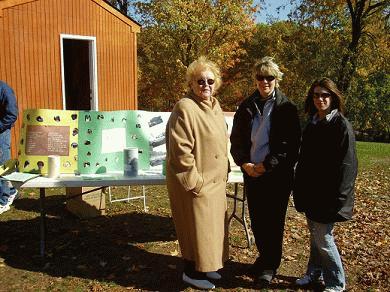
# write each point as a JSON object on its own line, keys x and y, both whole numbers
{"x": 176, "y": 32}
{"x": 360, "y": 35}
{"x": 354, "y": 19}
{"x": 302, "y": 52}
{"x": 345, "y": 40}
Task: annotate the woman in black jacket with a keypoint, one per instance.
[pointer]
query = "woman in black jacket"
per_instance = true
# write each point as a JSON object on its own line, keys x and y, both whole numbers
{"x": 264, "y": 143}
{"x": 324, "y": 181}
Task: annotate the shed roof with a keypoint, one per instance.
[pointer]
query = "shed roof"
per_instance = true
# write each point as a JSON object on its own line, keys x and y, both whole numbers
{"x": 105, "y": 5}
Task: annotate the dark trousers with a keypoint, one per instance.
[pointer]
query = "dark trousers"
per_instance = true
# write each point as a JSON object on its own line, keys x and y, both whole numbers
{"x": 267, "y": 203}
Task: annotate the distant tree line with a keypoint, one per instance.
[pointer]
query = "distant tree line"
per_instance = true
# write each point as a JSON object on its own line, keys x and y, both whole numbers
{"x": 347, "y": 41}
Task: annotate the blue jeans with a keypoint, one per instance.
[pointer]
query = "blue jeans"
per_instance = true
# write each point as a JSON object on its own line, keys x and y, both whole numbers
{"x": 324, "y": 256}
{"x": 6, "y": 188}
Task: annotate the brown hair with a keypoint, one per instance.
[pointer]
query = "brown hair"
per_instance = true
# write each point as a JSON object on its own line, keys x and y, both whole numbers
{"x": 329, "y": 85}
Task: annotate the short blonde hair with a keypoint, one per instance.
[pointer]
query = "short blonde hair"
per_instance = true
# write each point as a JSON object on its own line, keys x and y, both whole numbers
{"x": 267, "y": 67}
{"x": 200, "y": 65}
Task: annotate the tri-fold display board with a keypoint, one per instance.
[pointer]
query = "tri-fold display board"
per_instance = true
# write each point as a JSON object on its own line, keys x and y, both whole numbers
{"x": 90, "y": 142}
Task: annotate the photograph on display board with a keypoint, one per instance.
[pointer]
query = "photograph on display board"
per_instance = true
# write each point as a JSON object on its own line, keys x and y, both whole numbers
{"x": 48, "y": 132}
{"x": 157, "y": 122}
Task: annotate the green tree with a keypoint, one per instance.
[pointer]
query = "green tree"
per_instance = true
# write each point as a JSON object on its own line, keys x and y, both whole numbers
{"x": 369, "y": 108}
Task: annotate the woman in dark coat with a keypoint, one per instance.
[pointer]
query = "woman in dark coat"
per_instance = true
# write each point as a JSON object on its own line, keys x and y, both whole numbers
{"x": 324, "y": 181}
{"x": 264, "y": 143}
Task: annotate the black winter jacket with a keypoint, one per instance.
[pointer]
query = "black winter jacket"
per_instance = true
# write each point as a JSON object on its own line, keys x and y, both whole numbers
{"x": 326, "y": 171}
{"x": 284, "y": 134}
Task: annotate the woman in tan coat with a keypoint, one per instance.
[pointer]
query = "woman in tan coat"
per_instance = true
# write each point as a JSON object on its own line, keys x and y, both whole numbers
{"x": 197, "y": 167}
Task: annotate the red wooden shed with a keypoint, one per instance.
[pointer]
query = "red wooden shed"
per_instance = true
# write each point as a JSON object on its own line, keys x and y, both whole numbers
{"x": 68, "y": 54}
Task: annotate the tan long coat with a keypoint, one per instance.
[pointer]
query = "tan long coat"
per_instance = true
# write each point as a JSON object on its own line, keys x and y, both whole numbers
{"x": 197, "y": 165}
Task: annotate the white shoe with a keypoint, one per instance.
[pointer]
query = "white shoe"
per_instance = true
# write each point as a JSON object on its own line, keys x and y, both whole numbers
{"x": 12, "y": 198}
{"x": 334, "y": 289}
{"x": 266, "y": 276}
{"x": 201, "y": 284}
{"x": 213, "y": 275}
{"x": 4, "y": 208}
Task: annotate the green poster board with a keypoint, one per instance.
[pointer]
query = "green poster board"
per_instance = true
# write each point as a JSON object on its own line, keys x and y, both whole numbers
{"x": 104, "y": 135}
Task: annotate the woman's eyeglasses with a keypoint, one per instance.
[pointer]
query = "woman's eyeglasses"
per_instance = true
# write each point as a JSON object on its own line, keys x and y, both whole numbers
{"x": 321, "y": 95}
{"x": 268, "y": 78}
{"x": 204, "y": 82}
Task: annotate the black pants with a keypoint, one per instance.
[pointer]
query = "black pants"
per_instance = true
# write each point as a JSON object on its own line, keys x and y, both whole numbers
{"x": 267, "y": 203}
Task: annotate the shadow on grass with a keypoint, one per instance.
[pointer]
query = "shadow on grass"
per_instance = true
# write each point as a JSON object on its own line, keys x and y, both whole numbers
{"x": 131, "y": 249}
{"x": 106, "y": 248}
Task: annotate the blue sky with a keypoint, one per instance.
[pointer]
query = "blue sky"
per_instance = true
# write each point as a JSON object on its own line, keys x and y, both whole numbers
{"x": 269, "y": 8}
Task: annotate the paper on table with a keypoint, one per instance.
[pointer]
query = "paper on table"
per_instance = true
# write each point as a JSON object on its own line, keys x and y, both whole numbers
{"x": 8, "y": 167}
{"x": 19, "y": 176}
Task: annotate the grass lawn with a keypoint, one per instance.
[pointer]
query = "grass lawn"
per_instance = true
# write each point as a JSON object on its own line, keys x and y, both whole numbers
{"x": 372, "y": 155}
{"x": 130, "y": 250}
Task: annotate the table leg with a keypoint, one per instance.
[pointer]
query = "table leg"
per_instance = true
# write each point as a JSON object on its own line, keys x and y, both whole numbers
{"x": 42, "y": 195}
{"x": 248, "y": 236}
{"x": 241, "y": 220}
{"x": 234, "y": 197}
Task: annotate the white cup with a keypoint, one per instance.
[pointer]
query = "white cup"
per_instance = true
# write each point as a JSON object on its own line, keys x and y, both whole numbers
{"x": 53, "y": 166}
{"x": 130, "y": 161}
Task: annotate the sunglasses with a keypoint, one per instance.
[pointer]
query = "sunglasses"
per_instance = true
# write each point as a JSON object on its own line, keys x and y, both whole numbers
{"x": 321, "y": 95}
{"x": 204, "y": 82}
{"x": 268, "y": 78}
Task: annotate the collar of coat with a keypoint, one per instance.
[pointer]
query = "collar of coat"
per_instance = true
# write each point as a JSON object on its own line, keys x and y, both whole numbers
{"x": 328, "y": 118}
{"x": 208, "y": 103}
{"x": 280, "y": 98}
